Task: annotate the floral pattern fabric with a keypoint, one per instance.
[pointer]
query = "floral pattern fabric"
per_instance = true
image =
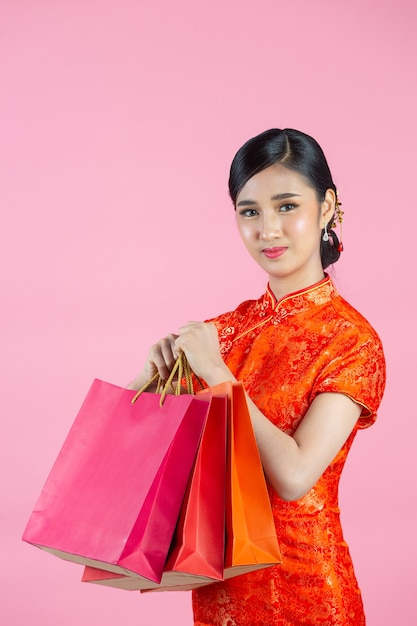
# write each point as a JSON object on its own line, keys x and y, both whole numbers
{"x": 285, "y": 353}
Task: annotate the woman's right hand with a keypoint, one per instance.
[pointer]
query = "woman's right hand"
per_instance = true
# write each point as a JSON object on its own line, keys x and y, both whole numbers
{"x": 161, "y": 359}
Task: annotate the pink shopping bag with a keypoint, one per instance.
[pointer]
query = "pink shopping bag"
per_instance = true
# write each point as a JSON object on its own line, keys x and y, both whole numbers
{"x": 114, "y": 494}
{"x": 197, "y": 551}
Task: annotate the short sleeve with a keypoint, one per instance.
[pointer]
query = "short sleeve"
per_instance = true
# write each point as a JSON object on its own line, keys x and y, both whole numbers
{"x": 357, "y": 371}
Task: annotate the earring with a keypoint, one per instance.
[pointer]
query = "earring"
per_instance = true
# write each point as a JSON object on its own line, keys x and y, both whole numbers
{"x": 325, "y": 234}
{"x": 338, "y": 219}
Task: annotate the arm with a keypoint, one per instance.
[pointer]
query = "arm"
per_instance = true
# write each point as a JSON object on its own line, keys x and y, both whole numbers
{"x": 293, "y": 464}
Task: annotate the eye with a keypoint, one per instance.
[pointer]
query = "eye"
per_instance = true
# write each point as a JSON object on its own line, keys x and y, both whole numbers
{"x": 248, "y": 212}
{"x": 286, "y": 208}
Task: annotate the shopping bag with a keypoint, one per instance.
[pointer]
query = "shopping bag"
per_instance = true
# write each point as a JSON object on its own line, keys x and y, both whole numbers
{"x": 199, "y": 540}
{"x": 197, "y": 551}
{"x": 251, "y": 539}
{"x": 114, "y": 494}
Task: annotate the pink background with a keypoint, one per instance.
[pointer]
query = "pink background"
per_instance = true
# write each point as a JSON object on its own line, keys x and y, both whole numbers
{"x": 119, "y": 120}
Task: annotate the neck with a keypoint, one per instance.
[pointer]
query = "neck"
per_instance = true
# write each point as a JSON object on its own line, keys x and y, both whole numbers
{"x": 282, "y": 286}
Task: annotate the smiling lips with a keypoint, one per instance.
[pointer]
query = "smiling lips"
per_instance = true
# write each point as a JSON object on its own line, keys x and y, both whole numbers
{"x": 274, "y": 253}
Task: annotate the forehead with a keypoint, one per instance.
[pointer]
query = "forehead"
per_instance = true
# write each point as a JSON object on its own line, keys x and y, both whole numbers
{"x": 273, "y": 180}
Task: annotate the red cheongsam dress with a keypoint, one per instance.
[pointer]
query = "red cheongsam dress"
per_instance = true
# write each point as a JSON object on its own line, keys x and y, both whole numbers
{"x": 285, "y": 353}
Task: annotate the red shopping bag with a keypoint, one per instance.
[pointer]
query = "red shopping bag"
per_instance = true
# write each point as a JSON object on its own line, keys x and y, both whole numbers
{"x": 114, "y": 494}
{"x": 199, "y": 541}
{"x": 197, "y": 551}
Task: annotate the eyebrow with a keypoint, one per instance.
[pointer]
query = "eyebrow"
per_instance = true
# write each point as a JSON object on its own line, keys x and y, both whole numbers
{"x": 278, "y": 196}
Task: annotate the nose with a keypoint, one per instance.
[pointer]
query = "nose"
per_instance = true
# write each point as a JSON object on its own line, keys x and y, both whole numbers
{"x": 271, "y": 226}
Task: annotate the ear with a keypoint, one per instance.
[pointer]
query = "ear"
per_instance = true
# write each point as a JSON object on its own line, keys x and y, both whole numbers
{"x": 327, "y": 207}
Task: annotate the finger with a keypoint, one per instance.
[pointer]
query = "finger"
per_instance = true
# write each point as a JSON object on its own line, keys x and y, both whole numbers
{"x": 168, "y": 352}
{"x": 189, "y": 326}
{"x": 163, "y": 356}
{"x": 179, "y": 345}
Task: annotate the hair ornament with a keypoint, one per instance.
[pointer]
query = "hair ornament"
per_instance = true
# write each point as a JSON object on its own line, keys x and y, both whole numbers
{"x": 338, "y": 219}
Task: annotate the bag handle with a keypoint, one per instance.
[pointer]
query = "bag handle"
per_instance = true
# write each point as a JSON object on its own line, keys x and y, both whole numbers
{"x": 183, "y": 370}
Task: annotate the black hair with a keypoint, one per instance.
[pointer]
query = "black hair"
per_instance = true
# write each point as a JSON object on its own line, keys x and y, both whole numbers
{"x": 296, "y": 151}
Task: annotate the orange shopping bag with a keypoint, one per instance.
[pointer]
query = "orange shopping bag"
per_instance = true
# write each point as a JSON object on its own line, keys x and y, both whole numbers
{"x": 251, "y": 539}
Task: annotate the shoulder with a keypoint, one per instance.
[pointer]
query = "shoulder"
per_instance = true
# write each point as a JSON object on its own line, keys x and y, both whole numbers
{"x": 350, "y": 322}
{"x": 352, "y": 340}
{"x": 355, "y": 359}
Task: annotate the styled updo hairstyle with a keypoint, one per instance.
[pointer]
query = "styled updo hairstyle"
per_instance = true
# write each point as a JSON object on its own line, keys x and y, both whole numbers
{"x": 296, "y": 151}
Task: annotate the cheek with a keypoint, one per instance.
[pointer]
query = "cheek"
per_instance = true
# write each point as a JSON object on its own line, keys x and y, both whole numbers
{"x": 245, "y": 231}
{"x": 304, "y": 225}
{"x": 300, "y": 226}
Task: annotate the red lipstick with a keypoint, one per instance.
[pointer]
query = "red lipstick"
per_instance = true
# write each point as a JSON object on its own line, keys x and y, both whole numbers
{"x": 274, "y": 253}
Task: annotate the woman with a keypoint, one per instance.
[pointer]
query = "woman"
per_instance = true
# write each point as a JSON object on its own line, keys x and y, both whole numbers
{"x": 314, "y": 372}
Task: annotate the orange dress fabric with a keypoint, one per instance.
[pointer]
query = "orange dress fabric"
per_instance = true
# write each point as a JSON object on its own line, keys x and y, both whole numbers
{"x": 285, "y": 353}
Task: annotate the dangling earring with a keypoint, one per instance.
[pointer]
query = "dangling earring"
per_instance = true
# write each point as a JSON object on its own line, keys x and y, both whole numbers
{"x": 325, "y": 234}
{"x": 338, "y": 219}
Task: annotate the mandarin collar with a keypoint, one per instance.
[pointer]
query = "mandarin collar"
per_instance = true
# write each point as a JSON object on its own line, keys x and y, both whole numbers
{"x": 269, "y": 309}
{"x": 319, "y": 293}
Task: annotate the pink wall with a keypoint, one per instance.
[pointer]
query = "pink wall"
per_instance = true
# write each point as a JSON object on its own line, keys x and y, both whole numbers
{"x": 118, "y": 123}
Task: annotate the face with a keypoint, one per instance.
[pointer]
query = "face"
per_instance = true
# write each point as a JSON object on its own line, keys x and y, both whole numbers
{"x": 280, "y": 220}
